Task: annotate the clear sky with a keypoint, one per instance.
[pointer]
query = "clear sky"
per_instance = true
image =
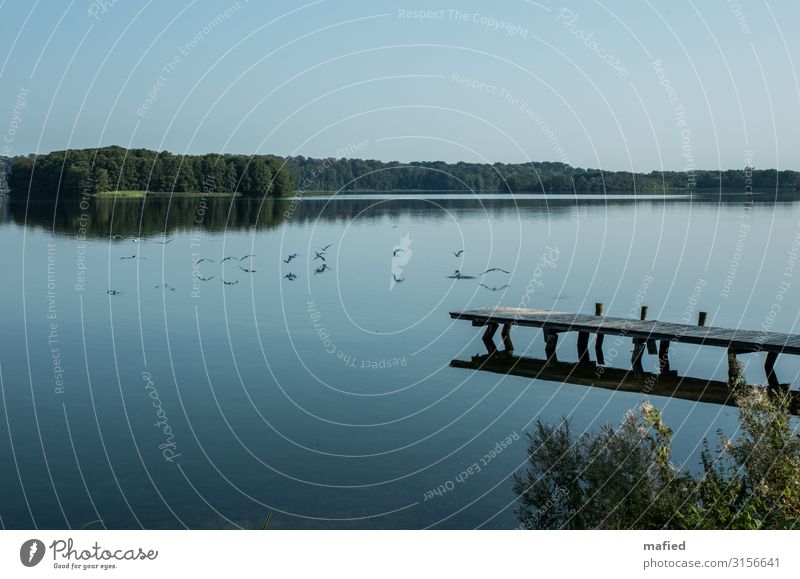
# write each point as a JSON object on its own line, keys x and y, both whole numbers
{"x": 617, "y": 84}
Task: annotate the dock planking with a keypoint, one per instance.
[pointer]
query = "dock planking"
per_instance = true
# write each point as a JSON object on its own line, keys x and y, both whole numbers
{"x": 643, "y": 333}
{"x": 740, "y": 340}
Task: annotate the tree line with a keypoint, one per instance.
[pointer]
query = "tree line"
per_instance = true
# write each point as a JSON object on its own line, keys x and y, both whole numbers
{"x": 311, "y": 174}
{"x": 90, "y": 171}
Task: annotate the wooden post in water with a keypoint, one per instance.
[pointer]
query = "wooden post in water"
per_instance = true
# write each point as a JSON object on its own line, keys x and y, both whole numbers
{"x": 701, "y": 318}
{"x": 488, "y": 338}
{"x": 505, "y": 333}
{"x": 550, "y": 341}
{"x": 651, "y": 344}
{"x": 663, "y": 357}
{"x": 769, "y": 367}
{"x": 636, "y": 356}
{"x": 599, "y": 310}
{"x": 583, "y": 346}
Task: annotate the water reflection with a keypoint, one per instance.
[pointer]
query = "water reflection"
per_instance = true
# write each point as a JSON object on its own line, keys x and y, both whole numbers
{"x": 159, "y": 215}
{"x": 670, "y": 385}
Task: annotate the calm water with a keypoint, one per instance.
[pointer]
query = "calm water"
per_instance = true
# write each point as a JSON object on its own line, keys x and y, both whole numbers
{"x": 328, "y": 400}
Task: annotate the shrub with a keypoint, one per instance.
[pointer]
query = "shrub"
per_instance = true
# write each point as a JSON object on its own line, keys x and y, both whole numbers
{"x": 623, "y": 478}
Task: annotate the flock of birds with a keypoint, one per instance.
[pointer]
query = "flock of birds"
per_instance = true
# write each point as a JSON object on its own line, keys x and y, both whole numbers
{"x": 319, "y": 268}
{"x": 319, "y": 254}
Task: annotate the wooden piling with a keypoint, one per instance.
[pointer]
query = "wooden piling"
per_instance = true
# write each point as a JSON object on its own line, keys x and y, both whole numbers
{"x": 701, "y": 318}
{"x": 769, "y": 367}
{"x": 599, "y": 308}
{"x": 636, "y": 355}
{"x": 550, "y": 342}
{"x": 488, "y": 337}
{"x": 505, "y": 333}
{"x": 583, "y": 346}
{"x": 663, "y": 357}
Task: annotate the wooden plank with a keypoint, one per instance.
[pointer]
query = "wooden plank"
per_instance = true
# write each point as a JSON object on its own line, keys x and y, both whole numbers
{"x": 741, "y": 340}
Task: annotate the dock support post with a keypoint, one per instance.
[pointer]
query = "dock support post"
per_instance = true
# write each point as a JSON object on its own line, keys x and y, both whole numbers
{"x": 598, "y": 349}
{"x": 488, "y": 337}
{"x": 636, "y": 356}
{"x": 663, "y": 357}
{"x": 599, "y": 310}
{"x": 583, "y": 347}
{"x": 701, "y": 318}
{"x": 769, "y": 367}
{"x": 506, "y": 335}
{"x": 550, "y": 341}
{"x": 651, "y": 344}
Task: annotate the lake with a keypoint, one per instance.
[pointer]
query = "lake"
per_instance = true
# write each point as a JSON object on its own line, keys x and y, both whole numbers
{"x": 328, "y": 399}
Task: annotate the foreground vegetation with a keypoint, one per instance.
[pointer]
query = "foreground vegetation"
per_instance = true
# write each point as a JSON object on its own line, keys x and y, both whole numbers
{"x": 623, "y": 478}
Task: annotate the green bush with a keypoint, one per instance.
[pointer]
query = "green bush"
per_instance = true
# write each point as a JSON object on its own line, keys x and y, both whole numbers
{"x": 623, "y": 478}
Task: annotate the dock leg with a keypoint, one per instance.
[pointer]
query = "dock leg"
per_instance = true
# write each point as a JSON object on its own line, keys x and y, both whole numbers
{"x": 735, "y": 370}
{"x": 598, "y": 349}
{"x": 488, "y": 338}
{"x": 652, "y": 349}
{"x": 663, "y": 357}
{"x": 506, "y": 335}
{"x": 550, "y": 341}
{"x": 583, "y": 347}
{"x": 636, "y": 356}
{"x": 769, "y": 367}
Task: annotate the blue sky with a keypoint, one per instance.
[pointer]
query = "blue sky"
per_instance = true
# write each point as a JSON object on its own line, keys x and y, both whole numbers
{"x": 618, "y": 85}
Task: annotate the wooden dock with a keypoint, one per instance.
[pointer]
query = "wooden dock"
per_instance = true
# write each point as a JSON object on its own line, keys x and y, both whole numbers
{"x": 643, "y": 333}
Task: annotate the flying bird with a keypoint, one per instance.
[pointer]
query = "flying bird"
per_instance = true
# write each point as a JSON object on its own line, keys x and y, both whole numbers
{"x": 167, "y": 241}
{"x": 165, "y": 286}
{"x": 244, "y": 269}
{"x": 230, "y": 282}
{"x": 224, "y": 259}
{"x": 326, "y": 247}
{"x": 128, "y": 257}
{"x": 113, "y": 292}
{"x": 290, "y": 276}
{"x": 246, "y": 256}
{"x": 201, "y": 278}
{"x": 398, "y": 279}
{"x": 290, "y": 258}
{"x": 458, "y": 253}
{"x": 319, "y": 256}
{"x": 202, "y": 259}
{"x": 321, "y": 268}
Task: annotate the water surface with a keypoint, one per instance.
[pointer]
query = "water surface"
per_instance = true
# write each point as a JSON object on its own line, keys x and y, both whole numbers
{"x": 329, "y": 399}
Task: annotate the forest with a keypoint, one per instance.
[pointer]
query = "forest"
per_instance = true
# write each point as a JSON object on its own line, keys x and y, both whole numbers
{"x": 91, "y": 171}
{"x": 368, "y": 175}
